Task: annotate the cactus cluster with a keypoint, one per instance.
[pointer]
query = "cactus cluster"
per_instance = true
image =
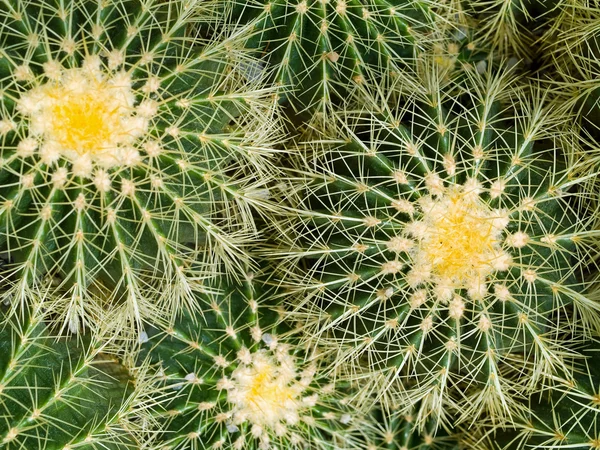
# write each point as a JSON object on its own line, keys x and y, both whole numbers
{"x": 311, "y": 225}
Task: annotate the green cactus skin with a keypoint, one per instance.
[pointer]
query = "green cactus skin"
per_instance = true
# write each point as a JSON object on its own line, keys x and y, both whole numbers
{"x": 132, "y": 156}
{"x": 440, "y": 253}
{"x": 322, "y": 50}
{"x": 58, "y": 393}
{"x": 235, "y": 380}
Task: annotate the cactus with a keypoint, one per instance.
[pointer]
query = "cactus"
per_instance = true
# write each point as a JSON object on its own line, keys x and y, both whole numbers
{"x": 440, "y": 249}
{"x": 235, "y": 379}
{"x": 436, "y": 250}
{"x": 565, "y": 417}
{"x": 58, "y": 393}
{"x": 572, "y": 54}
{"x": 509, "y": 28}
{"x": 320, "y": 51}
{"x": 132, "y": 156}
{"x": 397, "y": 432}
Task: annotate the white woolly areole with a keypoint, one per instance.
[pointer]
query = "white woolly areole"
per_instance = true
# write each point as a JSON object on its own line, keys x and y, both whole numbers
{"x": 266, "y": 391}
{"x": 87, "y": 117}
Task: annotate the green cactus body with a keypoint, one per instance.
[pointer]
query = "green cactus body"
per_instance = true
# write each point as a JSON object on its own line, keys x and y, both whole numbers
{"x": 59, "y": 394}
{"x": 323, "y": 50}
{"x": 441, "y": 247}
{"x": 232, "y": 381}
{"x": 126, "y": 174}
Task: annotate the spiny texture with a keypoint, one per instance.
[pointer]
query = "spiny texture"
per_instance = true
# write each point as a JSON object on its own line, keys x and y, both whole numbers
{"x": 564, "y": 415}
{"x": 321, "y": 50}
{"x": 398, "y": 432}
{"x": 58, "y": 393}
{"x": 571, "y": 67}
{"x": 132, "y": 156}
{"x": 572, "y": 51}
{"x": 440, "y": 249}
{"x": 567, "y": 44}
{"x": 567, "y": 416}
{"x": 509, "y": 28}
{"x": 233, "y": 379}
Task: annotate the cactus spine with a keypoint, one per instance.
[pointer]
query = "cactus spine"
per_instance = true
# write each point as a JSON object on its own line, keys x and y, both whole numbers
{"x": 564, "y": 414}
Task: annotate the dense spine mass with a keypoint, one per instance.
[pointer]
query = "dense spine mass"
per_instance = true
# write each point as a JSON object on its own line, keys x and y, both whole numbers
{"x": 509, "y": 28}
{"x": 394, "y": 431}
{"x": 132, "y": 156}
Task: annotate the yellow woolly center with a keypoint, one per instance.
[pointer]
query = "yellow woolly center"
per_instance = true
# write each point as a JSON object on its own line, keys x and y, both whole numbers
{"x": 457, "y": 242}
{"x": 460, "y": 241}
{"x": 85, "y": 123}
{"x": 87, "y": 117}
{"x": 265, "y": 391}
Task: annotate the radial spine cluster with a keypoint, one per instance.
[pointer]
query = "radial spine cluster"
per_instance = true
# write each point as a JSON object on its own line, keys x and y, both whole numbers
{"x": 247, "y": 387}
{"x": 432, "y": 255}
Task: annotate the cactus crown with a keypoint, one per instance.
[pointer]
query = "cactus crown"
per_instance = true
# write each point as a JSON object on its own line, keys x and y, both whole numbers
{"x": 81, "y": 116}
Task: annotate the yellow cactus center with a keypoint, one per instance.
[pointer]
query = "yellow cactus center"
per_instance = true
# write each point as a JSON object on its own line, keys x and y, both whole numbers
{"x": 457, "y": 242}
{"x": 265, "y": 390}
{"x": 461, "y": 239}
{"x": 85, "y": 123}
{"x": 87, "y": 117}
